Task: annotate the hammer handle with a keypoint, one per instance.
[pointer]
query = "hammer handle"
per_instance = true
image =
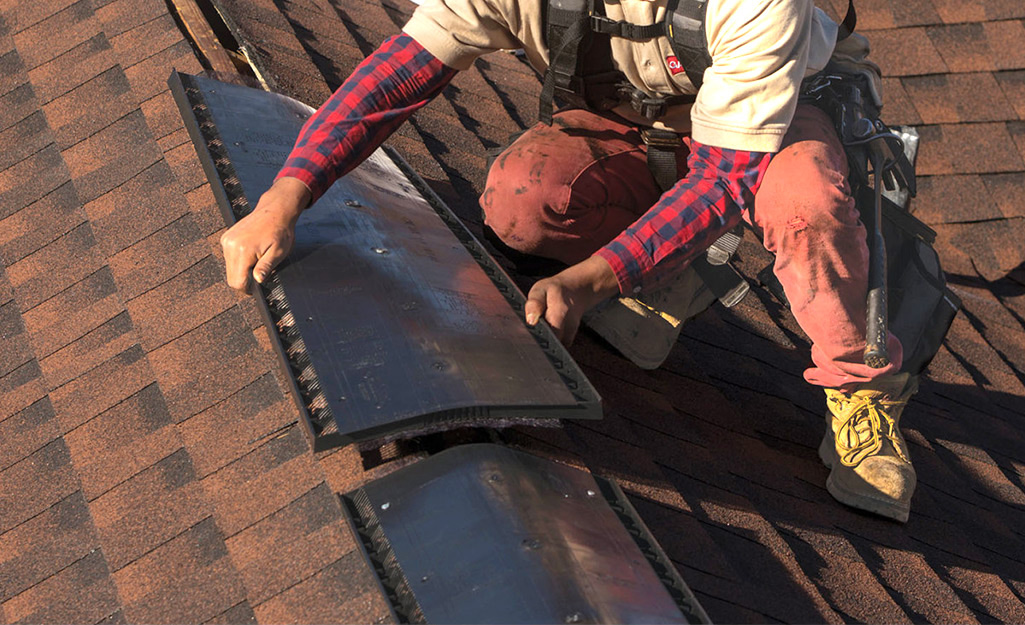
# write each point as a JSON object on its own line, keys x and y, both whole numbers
{"x": 877, "y": 322}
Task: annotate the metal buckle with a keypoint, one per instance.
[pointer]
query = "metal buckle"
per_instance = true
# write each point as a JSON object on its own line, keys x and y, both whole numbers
{"x": 660, "y": 138}
{"x": 650, "y": 106}
{"x": 820, "y": 82}
{"x": 604, "y": 25}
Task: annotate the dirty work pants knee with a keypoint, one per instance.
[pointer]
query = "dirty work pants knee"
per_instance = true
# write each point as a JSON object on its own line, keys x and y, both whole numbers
{"x": 566, "y": 190}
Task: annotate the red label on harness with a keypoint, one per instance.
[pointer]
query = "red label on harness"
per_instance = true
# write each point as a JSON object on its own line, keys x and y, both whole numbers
{"x": 674, "y": 65}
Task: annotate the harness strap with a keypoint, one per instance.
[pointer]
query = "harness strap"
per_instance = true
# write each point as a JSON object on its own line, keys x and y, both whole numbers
{"x": 581, "y": 71}
{"x": 662, "y": 146}
{"x": 848, "y": 23}
{"x": 685, "y": 28}
{"x": 562, "y": 67}
{"x": 721, "y": 278}
{"x": 653, "y": 106}
{"x": 626, "y": 30}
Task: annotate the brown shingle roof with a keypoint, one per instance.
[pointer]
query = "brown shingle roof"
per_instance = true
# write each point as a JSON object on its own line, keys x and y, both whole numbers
{"x": 151, "y": 469}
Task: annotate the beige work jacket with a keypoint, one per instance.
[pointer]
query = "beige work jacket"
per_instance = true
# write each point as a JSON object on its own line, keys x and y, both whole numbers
{"x": 761, "y": 50}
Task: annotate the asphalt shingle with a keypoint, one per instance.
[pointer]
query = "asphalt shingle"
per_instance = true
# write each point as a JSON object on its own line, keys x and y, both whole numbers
{"x": 153, "y": 468}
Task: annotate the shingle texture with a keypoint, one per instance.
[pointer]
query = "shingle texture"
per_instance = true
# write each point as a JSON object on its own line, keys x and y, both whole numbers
{"x": 151, "y": 468}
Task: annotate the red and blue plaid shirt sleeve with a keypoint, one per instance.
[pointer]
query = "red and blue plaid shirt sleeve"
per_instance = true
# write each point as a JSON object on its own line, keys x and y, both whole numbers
{"x": 391, "y": 84}
{"x": 688, "y": 218}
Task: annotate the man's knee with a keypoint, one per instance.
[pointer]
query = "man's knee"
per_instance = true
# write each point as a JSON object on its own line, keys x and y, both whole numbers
{"x": 563, "y": 191}
{"x": 516, "y": 198}
{"x": 806, "y": 187}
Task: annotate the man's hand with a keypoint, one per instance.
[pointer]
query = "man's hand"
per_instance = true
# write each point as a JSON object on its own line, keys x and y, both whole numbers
{"x": 564, "y": 298}
{"x": 263, "y": 238}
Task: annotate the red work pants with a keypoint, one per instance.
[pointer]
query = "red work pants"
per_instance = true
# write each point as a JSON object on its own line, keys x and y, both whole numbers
{"x": 566, "y": 190}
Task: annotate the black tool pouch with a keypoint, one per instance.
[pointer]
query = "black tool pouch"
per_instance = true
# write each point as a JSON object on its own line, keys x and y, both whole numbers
{"x": 921, "y": 306}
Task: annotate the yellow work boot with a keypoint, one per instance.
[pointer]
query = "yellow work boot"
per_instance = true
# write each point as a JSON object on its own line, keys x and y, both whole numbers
{"x": 867, "y": 455}
{"x": 645, "y": 328}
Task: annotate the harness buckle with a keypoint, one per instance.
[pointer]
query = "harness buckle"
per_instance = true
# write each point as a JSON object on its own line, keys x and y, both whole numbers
{"x": 602, "y": 24}
{"x": 661, "y": 138}
{"x": 650, "y": 106}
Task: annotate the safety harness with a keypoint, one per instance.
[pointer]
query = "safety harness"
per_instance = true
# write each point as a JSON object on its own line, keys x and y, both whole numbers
{"x": 903, "y": 266}
{"x": 581, "y": 73}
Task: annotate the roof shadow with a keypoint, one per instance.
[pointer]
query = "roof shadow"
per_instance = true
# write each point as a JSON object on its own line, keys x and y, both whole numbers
{"x": 725, "y": 472}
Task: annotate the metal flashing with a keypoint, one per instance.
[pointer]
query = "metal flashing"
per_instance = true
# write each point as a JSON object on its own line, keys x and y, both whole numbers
{"x": 390, "y": 315}
{"x": 484, "y": 533}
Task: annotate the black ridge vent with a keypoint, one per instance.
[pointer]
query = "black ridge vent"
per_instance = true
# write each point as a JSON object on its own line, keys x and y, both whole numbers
{"x": 483, "y": 533}
{"x": 658, "y": 559}
{"x": 233, "y": 201}
{"x": 379, "y": 554}
{"x": 390, "y": 316}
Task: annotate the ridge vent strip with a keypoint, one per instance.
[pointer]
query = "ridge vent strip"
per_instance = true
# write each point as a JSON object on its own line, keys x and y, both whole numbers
{"x": 309, "y": 397}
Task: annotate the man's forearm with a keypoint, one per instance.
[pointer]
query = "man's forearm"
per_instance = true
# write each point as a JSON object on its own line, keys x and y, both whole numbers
{"x": 687, "y": 219}
{"x": 388, "y": 86}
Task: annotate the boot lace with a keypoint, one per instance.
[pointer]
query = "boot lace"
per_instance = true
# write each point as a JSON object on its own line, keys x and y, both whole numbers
{"x": 866, "y": 422}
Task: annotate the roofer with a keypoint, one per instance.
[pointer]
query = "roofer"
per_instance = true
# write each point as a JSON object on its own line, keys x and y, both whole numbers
{"x": 582, "y": 190}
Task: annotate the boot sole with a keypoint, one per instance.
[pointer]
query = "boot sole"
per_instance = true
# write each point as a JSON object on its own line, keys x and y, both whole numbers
{"x": 827, "y": 452}
{"x": 885, "y": 508}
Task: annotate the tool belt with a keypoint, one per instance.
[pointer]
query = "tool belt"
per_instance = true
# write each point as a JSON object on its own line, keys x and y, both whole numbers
{"x": 921, "y": 306}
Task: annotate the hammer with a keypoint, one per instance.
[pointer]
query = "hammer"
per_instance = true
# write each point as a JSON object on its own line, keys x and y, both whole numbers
{"x": 877, "y": 321}
{"x": 890, "y": 166}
